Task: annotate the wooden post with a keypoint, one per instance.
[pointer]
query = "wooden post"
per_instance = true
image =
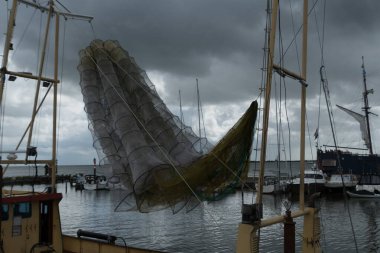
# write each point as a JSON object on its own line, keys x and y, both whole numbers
{"x": 54, "y": 147}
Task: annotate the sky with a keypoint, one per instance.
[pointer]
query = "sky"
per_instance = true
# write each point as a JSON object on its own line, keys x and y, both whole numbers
{"x": 218, "y": 42}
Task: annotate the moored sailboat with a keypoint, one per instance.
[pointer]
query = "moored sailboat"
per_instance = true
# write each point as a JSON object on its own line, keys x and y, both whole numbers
{"x": 343, "y": 169}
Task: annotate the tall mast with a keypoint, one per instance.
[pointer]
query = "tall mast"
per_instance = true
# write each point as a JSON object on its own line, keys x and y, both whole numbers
{"x": 366, "y": 107}
{"x": 268, "y": 86}
{"x": 51, "y": 10}
{"x": 180, "y": 110}
{"x": 303, "y": 102}
{"x": 41, "y": 69}
{"x": 199, "y": 119}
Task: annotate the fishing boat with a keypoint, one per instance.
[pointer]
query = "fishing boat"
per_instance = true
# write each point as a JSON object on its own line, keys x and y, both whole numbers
{"x": 30, "y": 220}
{"x": 343, "y": 167}
{"x": 94, "y": 181}
{"x": 163, "y": 167}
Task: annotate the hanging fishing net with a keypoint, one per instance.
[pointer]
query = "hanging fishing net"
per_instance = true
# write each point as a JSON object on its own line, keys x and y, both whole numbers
{"x": 159, "y": 161}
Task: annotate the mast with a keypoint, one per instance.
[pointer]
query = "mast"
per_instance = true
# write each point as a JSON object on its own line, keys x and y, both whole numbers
{"x": 199, "y": 119}
{"x": 303, "y": 103}
{"x": 41, "y": 68}
{"x": 51, "y": 10}
{"x": 55, "y": 101}
{"x": 180, "y": 110}
{"x": 268, "y": 86}
{"x": 366, "y": 107}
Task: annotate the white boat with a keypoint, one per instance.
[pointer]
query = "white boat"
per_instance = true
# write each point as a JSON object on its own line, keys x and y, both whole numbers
{"x": 314, "y": 182}
{"x": 274, "y": 184}
{"x": 363, "y": 194}
{"x": 368, "y": 187}
{"x": 336, "y": 181}
{"x": 94, "y": 182}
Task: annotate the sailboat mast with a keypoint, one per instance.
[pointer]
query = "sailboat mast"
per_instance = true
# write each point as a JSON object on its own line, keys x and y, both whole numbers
{"x": 41, "y": 68}
{"x": 180, "y": 110}
{"x": 199, "y": 119}
{"x": 303, "y": 102}
{"x": 366, "y": 107}
{"x": 268, "y": 86}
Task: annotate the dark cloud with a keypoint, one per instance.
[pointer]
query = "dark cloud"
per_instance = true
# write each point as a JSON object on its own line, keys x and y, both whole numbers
{"x": 221, "y": 42}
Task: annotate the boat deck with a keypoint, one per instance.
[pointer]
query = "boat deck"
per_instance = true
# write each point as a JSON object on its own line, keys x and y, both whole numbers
{"x": 73, "y": 244}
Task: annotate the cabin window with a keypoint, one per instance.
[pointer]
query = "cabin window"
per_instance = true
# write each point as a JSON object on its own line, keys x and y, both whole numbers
{"x": 318, "y": 177}
{"x": 375, "y": 179}
{"x": 23, "y": 209}
{"x": 5, "y": 212}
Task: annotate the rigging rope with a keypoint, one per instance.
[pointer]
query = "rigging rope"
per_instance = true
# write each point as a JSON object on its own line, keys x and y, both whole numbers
{"x": 324, "y": 84}
{"x": 23, "y": 34}
{"x": 299, "y": 30}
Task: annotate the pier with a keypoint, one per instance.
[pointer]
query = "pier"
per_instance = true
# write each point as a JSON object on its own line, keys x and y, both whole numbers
{"x": 32, "y": 180}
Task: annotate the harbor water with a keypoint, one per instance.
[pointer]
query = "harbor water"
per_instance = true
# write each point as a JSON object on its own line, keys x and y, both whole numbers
{"x": 212, "y": 226}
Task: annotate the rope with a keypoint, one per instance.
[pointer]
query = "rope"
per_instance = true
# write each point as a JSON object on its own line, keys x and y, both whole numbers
{"x": 308, "y": 133}
{"x": 294, "y": 35}
{"x": 332, "y": 123}
{"x": 299, "y": 30}
{"x": 93, "y": 30}
{"x": 23, "y": 34}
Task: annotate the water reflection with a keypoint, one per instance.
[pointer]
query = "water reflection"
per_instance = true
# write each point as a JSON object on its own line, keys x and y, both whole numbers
{"x": 370, "y": 208}
{"x": 212, "y": 226}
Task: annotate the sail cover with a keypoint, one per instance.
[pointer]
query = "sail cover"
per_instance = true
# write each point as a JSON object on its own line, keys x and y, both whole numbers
{"x": 363, "y": 126}
{"x": 160, "y": 161}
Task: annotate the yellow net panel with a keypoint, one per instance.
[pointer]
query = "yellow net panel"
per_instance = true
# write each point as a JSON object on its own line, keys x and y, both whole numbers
{"x": 160, "y": 162}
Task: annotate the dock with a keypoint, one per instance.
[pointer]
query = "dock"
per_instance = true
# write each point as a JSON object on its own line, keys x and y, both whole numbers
{"x": 33, "y": 180}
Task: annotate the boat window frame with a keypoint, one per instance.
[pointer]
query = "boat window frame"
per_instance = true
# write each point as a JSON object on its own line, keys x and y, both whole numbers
{"x": 23, "y": 213}
{"x": 5, "y": 212}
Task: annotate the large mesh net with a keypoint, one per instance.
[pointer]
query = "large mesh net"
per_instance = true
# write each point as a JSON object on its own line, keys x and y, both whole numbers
{"x": 160, "y": 162}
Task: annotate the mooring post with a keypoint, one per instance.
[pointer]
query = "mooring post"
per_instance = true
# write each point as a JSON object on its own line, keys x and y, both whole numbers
{"x": 289, "y": 233}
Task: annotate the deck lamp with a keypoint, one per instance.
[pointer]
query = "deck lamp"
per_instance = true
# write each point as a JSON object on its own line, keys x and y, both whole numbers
{"x": 12, "y": 78}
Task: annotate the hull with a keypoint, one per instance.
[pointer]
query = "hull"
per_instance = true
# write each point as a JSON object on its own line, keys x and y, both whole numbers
{"x": 310, "y": 188}
{"x": 77, "y": 245}
{"x": 313, "y": 182}
{"x": 335, "y": 181}
{"x": 274, "y": 187}
{"x": 356, "y": 164}
{"x": 362, "y": 194}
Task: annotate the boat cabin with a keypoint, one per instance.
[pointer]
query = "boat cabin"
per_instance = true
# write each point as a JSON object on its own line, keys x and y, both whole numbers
{"x": 30, "y": 222}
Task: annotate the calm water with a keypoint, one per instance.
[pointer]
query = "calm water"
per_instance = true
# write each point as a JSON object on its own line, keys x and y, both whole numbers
{"x": 212, "y": 226}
